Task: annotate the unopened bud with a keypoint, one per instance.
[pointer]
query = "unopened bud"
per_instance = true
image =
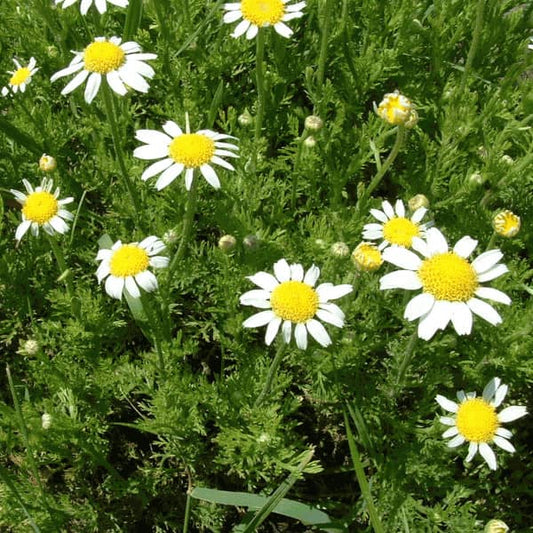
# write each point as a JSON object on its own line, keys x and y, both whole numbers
{"x": 482, "y": 152}
{"x": 170, "y": 237}
{"x": 506, "y": 223}
{"x": 476, "y": 179}
{"x": 395, "y": 108}
{"x": 321, "y": 243}
{"x": 313, "y": 123}
{"x": 507, "y": 159}
{"x": 310, "y": 142}
{"x": 47, "y": 163}
{"x": 227, "y": 243}
{"x": 52, "y": 51}
{"x": 340, "y": 249}
{"x": 29, "y": 347}
{"x": 367, "y": 257}
{"x": 417, "y": 201}
{"x": 251, "y": 242}
{"x": 496, "y": 526}
{"x": 245, "y": 119}
{"x": 46, "y": 421}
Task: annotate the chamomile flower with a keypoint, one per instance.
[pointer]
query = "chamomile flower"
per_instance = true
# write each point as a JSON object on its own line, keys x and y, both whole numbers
{"x": 290, "y": 297}
{"x": 397, "y": 109}
{"x": 450, "y": 283}
{"x": 395, "y": 227}
{"x": 178, "y": 151}
{"x": 20, "y": 77}
{"x": 42, "y": 209}
{"x": 367, "y": 257}
{"x": 123, "y": 66}
{"x": 477, "y": 422}
{"x": 101, "y": 5}
{"x": 125, "y": 267}
{"x": 258, "y": 13}
{"x": 506, "y": 223}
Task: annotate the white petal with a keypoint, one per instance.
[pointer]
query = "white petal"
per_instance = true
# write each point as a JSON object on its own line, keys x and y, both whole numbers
{"x": 156, "y": 168}
{"x": 493, "y": 273}
{"x": 505, "y": 433}
{"x": 252, "y": 31}
{"x": 327, "y": 291}
{"x": 259, "y": 319}
{"x": 330, "y": 318}
{"x": 318, "y": 332}
{"x": 504, "y": 444}
{"x": 421, "y": 247}
{"x": 115, "y": 83}
{"x": 401, "y": 257}
{"x": 132, "y": 288}
{"x": 332, "y": 308}
{"x": 256, "y": 296}
{"x": 75, "y": 82}
{"x": 59, "y": 224}
{"x": 286, "y": 330}
{"x": 241, "y": 28}
{"x": 146, "y": 280}
{"x": 472, "y": 450}
{"x": 436, "y": 319}
{"x": 272, "y": 330}
{"x": 490, "y": 389}
{"x": 172, "y": 129}
{"x": 487, "y": 454}
{"x": 133, "y": 79}
{"x": 300, "y": 334}
{"x": 400, "y": 279}
{"x": 311, "y": 276}
{"x": 73, "y": 67}
{"x": 295, "y": 7}
{"x": 456, "y": 441}
{"x": 159, "y": 262}
{"x": 151, "y": 151}
{"x": 283, "y": 29}
{"x": 418, "y": 215}
{"x": 512, "y": 413}
{"x": 104, "y": 253}
{"x": 486, "y": 261}
{"x": 447, "y": 420}
{"x": 220, "y": 162}
{"x": 380, "y": 215}
{"x": 450, "y": 433}
{"x": 22, "y": 229}
{"x": 264, "y": 280}
{"x": 493, "y": 294}
{"x": 114, "y": 287}
{"x": 388, "y": 209}
{"x": 461, "y": 396}
{"x": 152, "y": 137}
{"x": 446, "y": 404}
{"x": 93, "y": 84}
{"x": 436, "y": 242}
{"x": 103, "y": 271}
{"x": 297, "y": 272}
{"x": 210, "y": 175}
{"x": 500, "y": 394}
{"x": 168, "y": 176}
{"x": 232, "y": 16}
{"x": 484, "y": 310}
{"x": 465, "y": 246}
{"x": 461, "y": 318}
{"x": 189, "y": 174}
{"x": 282, "y": 270}
{"x": 420, "y": 305}
{"x": 399, "y": 208}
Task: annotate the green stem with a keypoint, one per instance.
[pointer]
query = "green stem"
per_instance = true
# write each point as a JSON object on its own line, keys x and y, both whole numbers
{"x": 271, "y": 373}
{"x": 186, "y": 13}
{"x": 261, "y": 94}
{"x": 407, "y": 356}
{"x": 361, "y": 479}
{"x": 187, "y": 516}
{"x": 112, "y": 117}
{"x": 25, "y": 438}
{"x": 400, "y": 137}
{"x": 492, "y": 240}
{"x": 478, "y": 27}
{"x": 64, "y": 274}
{"x": 155, "y": 330}
{"x": 296, "y": 167}
{"x": 326, "y": 25}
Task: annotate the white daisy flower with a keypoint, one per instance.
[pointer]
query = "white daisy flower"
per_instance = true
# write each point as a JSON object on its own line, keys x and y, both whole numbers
{"x": 477, "y": 422}
{"x": 178, "y": 151}
{"x": 20, "y": 77}
{"x": 258, "y": 13}
{"x": 126, "y": 267}
{"x": 449, "y": 283}
{"x": 395, "y": 108}
{"x": 42, "y": 209}
{"x": 395, "y": 227}
{"x": 290, "y": 298}
{"x": 123, "y": 65}
{"x": 101, "y": 5}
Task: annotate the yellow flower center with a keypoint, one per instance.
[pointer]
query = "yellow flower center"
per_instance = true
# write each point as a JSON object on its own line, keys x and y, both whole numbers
{"x": 192, "y": 149}
{"x": 295, "y": 301}
{"x": 129, "y": 260}
{"x": 262, "y": 12}
{"x": 448, "y": 277}
{"x": 40, "y": 207}
{"x": 20, "y": 76}
{"x": 400, "y": 231}
{"x": 477, "y": 420}
{"x": 367, "y": 257}
{"x": 103, "y": 57}
{"x": 395, "y": 108}
{"x": 506, "y": 224}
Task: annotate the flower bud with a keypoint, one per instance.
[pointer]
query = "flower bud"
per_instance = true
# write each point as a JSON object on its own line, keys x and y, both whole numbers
{"x": 310, "y": 142}
{"x": 476, "y": 179}
{"x": 245, "y": 119}
{"x": 52, "y": 51}
{"x": 313, "y": 123}
{"x": 251, "y": 242}
{"x": 412, "y": 121}
{"x": 47, "y": 163}
{"x": 482, "y": 152}
{"x": 170, "y": 237}
{"x": 507, "y": 159}
{"x": 227, "y": 242}
{"x": 395, "y": 109}
{"x": 321, "y": 243}
{"x": 496, "y": 526}
{"x": 340, "y": 249}
{"x": 506, "y": 223}
{"x": 46, "y": 421}
{"x": 367, "y": 257}
{"x": 29, "y": 347}
{"x": 417, "y": 201}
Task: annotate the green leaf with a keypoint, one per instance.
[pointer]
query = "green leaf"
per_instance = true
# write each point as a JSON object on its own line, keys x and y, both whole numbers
{"x": 20, "y": 137}
{"x": 133, "y": 19}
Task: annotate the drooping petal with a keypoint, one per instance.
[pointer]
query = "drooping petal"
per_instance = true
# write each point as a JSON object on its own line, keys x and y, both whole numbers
{"x": 484, "y": 310}
{"x": 272, "y": 330}
{"x": 462, "y": 318}
{"x": 318, "y": 332}
{"x": 486, "y": 452}
{"x": 300, "y": 334}
{"x": 330, "y": 318}
{"x": 286, "y": 330}
{"x": 493, "y": 294}
{"x": 450, "y": 433}
{"x": 472, "y": 450}
{"x": 210, "y": 176}
{"x": 490, "y": 389}
{"x": 420, "y": 305}
{"x": 456, "y": 441}
{"x": 504, "y": 444}
{"x": 501, "y": 392}
{"x": 486, "y": 261}
{"x": 492, "y": 273}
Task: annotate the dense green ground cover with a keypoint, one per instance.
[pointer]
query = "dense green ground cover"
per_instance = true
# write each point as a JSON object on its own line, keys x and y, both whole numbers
{"x": 147, "y": 405}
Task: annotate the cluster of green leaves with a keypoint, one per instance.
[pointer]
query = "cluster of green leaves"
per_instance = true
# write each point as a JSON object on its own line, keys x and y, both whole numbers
{"x": 128, "y": 444}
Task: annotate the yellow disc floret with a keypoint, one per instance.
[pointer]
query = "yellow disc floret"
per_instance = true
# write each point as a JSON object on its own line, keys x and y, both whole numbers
{"x": 20, "y": 76}
{"x": 400, "y": 231}
{"x": 295, "y": 301}
{"x": 262, "y": 12}
{"x": 448, "y": 277}
{"x": 477, "y": 420}
{"x": 192, "y": 149}
{"x": 103, "y": 57}
{"x": 367, "y": 257}
{"x": 40, "y": 207}
{"x": 395, "y": 108}
{"x": 129, "y": 260}
{"x": 506, "y": 224}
